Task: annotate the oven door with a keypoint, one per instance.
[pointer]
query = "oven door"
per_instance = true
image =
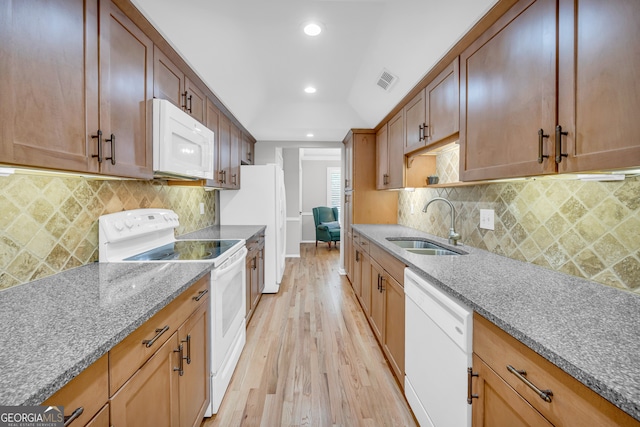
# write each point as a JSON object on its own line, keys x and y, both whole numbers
{"x": 228, "y": 286}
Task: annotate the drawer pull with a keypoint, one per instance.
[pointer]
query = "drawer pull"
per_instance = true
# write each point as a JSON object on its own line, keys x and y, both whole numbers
{"x": 520, "y": 374}
{"x": 200, "y": 295}
{"x": 541, "y": 136}
{"x": 149, "y": 343}
{"x": 74, "y": 416}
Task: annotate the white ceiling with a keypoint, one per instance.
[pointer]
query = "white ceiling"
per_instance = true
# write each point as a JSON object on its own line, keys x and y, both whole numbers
{"x": 254, "y": 56}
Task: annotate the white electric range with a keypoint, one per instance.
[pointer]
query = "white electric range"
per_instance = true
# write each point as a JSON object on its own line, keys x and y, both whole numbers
{"x": 148, "y": 235}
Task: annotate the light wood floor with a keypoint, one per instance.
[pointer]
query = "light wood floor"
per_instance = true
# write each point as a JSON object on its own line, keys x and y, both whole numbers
{"x": 311, "y": 358}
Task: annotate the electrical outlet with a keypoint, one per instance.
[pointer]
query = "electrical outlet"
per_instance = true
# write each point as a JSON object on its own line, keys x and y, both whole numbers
{"x": 201, "y": 208}
{"x": 486, "y": 219}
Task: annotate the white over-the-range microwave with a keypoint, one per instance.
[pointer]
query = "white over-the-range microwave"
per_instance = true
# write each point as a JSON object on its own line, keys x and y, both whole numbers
{"x": 183, "y": 148}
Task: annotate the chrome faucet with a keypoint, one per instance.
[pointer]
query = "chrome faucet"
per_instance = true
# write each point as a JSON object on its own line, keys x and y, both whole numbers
{"x": 453, "y": 236}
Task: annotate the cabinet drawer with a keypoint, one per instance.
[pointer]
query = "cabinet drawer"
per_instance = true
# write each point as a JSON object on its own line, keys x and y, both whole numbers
{"x": 127, "y": 357}
{"x": 88, "y": 391}
{"x": 387, "y": 261}
{"x": 364, "y": 244}
{"x": 572, "y": 403}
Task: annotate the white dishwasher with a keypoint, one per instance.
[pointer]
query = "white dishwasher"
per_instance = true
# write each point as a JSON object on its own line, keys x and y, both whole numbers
{"x": 438, "y": 351}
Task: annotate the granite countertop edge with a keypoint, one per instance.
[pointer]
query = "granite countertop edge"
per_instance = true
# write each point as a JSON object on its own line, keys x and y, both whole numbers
{"x": 378, "y": 233}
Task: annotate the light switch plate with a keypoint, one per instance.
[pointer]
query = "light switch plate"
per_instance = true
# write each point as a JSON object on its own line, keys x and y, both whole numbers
{"x": 201, "y": 208}
{"x": 486, "y": 219}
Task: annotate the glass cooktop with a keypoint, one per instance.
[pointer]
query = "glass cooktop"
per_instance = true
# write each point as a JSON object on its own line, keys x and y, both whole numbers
{"x": 186, "y": 250}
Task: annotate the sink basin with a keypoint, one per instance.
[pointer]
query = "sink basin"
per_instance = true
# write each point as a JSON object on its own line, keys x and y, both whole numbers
{"x": 422, "y": 246}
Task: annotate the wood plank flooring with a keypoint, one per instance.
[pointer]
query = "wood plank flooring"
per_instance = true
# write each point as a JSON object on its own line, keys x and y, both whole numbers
{"x": 311, "y": 358}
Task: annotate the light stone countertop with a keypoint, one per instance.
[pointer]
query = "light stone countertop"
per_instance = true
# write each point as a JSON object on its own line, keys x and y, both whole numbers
{"x": 589, "y": 330}
{"x": 53, "y": 328}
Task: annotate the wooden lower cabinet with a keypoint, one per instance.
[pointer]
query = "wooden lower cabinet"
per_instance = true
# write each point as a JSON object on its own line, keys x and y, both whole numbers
{"x": 101, "y": 419}
{"x": 506, "y": 400}
{"x": 87, "y": 393}
{"x": 170, "y": 387}
{"x": 386, "y": 313}
{"x": 498, "y": 405}
{"x": 194, "y": 381}
{"x": 255, "y": 273}
{"x": 150, "y": 397}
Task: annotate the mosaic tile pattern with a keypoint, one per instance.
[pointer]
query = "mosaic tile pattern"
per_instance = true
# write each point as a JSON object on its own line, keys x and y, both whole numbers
{"x": 586, "y": 229}
{"x": 48, "y": 225}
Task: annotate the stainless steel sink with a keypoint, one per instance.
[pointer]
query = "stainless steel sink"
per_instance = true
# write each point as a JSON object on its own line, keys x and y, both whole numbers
{"x": 422, "y": 246}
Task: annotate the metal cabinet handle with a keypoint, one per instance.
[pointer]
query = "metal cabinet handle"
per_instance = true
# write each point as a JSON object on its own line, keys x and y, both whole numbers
{"x": 234, "y": 179}
{"x": 559, "y": 153}
{"x": 470, "y": 395}
{"x": 382, "y": 280}
{"x": 200, "y": 295}
{"x": 188, "y": 341}
{"x": 112, "y": 140}
{"x": 420, "y": 132}
{"x": 541, "y": 137}
{"x": 357, "y": 256}
{"x": 520, "y": 374}
{"x": 385, "y": 179}
{"x": 74, "y": 416}
{"x": 190, "y": 103}
{"x": 99, "y": 155}
{"x": 180, "y": 368}
{"x": 159, "y": 332}
{"x": 378, "y": 282}
{"x": 184, "y": 95}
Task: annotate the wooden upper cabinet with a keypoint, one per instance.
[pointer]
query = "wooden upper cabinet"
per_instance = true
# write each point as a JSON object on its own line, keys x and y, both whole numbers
{"x": 395, "y": 152}
{"x": 224, "y": 142}
{"x": 508, "y": 93}
{"x": 433, "y": 115}
{"x": 348, "y": 163}
{"x": 61, "y": 85}
{"x": 168, "y": 79}
{"x": 171, "y": 83}
{"x": 196, "y": 100}
{"x": 599, "y": 94}
{"x": 415, "y": 120}
{"x": 442, "y": 96}
{"x": 43, "y": 66}
{"x": 248, "y": 145}
{"x": 234, "y": 173}
{"x": 126, "y": 78}
{"x": 382, "y": 157}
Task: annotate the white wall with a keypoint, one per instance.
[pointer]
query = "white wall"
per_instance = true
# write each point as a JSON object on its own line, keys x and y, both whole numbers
{"x": 292, "y": 179}
{"x": 314, "y": 192}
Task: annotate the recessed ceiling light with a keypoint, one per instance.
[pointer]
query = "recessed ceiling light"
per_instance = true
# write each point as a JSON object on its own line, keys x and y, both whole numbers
{"x": 310, "y": 89}
{"x": 312, "y": 29}
{"x": 309, "y": 135}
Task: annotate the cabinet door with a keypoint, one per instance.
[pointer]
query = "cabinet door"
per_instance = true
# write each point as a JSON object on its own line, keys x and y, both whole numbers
{"x": 168, "y": 79}
{"x": 247, "y": 149}
{"x": 248, "y": 270}
{"x": 498, "y": 405}
{"x": 100, "y": 420}
{"x": 255, "y": 285}
{"x": 356, "y": 283}
{"x": 395, "y": 168}
{"x": 394, "y": 325}
{"x": 348, "y": 163}
{"x": 196, "y": 102}
{"x": 213, "y": 115}
{"x": 382, "y": 157}
{"x": 508, "y": 93}
{"x": 443, "y": 105}
{"x": 43, "y": 69}
{"x": 195, "y": 380}
{"x": 225, "y": 150}
{"x": 126, "y": 79}
{"x": 261, "y": 267}
{"x": 150, "y": 397}
{"x": 376, "y": 315}
{"x": 415, "y": 120}
{"x": 365, "y": 296}
{"x": 234, "y": 171}
{"x": 599, "y": 94}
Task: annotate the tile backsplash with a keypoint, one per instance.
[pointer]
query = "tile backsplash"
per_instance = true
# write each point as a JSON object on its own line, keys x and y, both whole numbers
{"x": 49, "y": 224}
{"x": 586, "y": 229}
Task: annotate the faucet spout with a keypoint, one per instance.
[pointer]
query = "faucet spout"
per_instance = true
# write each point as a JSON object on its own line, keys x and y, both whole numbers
{"x": 453, "y": 236}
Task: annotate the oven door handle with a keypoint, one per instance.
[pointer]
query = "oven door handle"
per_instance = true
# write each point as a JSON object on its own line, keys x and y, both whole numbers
{"x": 240, "y": 260}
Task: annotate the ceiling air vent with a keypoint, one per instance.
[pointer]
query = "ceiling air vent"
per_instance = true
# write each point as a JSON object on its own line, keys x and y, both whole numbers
{"x": 386, "y": 80}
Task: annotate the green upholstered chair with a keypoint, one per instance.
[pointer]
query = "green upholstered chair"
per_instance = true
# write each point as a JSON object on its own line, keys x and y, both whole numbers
{"x": 327, "y": 225}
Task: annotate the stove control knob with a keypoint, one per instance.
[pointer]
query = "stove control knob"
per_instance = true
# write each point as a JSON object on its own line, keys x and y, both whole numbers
{"x": 118, "y": 225}
{"x": 128, "y": 223}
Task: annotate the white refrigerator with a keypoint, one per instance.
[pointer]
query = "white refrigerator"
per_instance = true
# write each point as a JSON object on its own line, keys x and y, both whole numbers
{"x": 260, "y": 201}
